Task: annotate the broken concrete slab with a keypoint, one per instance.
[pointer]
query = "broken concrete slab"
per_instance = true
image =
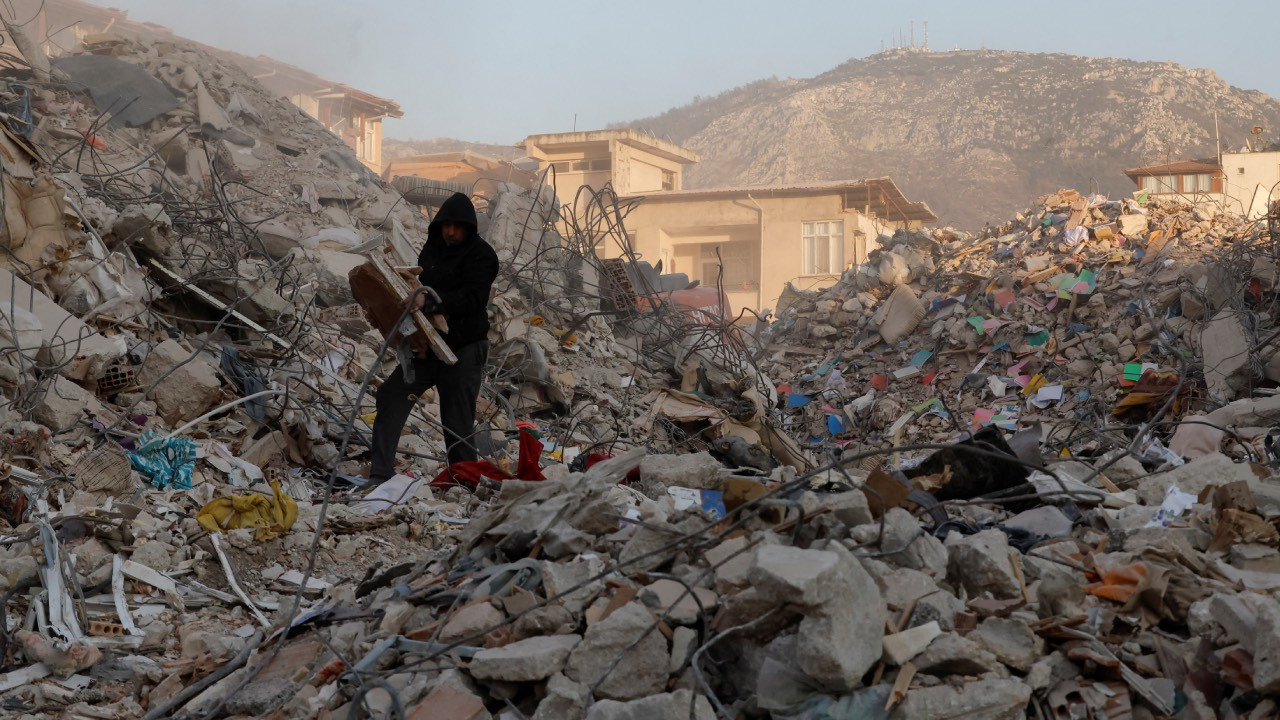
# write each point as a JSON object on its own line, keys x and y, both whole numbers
{"x": 622, "y": 657}
{"x": 953, "y": 654}
{"x": 679, "y": 705}
{"x": 565, "y": 699}
{"x": 536, "y": 658}
{"x": 698, "y": 471}
{"x": 470, "y": 622}
{"x": 182, "y": 384}
{"x": 1211, "y": 470}
{"x": 998, "y": 699}
{"x": 675, "y": 603}
{"x": 61, "y": 404}
{"x": 78, "y": 352}
{"x": 901, "y": 647}
{"x": 1225, "y": 345}
{"x": 980, "y": 564}
{"x": 1010, "y": 640}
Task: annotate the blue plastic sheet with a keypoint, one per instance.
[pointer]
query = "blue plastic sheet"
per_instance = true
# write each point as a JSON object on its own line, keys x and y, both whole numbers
{"x": 167, "y": 462}
{"x": 796, "y": 400}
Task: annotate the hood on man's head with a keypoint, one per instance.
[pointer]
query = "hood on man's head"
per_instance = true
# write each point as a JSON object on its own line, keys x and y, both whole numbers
{"x": 457, "y": 209}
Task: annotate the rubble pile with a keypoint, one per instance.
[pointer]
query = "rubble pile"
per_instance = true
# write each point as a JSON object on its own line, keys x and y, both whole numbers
{"x": 1055, "y": 317}
{"x": 1028, "y": 473}
{"x": 187, "y": 379}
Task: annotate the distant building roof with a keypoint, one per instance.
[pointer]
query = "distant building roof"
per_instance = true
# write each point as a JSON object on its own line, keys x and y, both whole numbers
{"x": 1182, "y": 167}
{"x": 570, "y": 140}
{"x": 879, "y": 196}
{"x": 287, "y": 79}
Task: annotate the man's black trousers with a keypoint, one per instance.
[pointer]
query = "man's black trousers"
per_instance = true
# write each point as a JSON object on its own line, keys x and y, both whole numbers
{"x": 457, "y": 386}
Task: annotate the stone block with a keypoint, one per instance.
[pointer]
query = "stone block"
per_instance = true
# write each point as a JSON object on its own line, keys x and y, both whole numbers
{"x": 1010, "y": 640}
{"x": 630, "y": 634}
{"x": 1225, "y": 346}
{"x": 1207, "y": 471}
{"x": 980, "y": 564}
{"x": 901, "y": 647}
{"x": 536, "y": 658}
{"x": 470, "y": 622}
{"x": 61, "y": 404}
{"x": 666, "y": 706}
{"x": 998, "y": 699}
{"x": 951, "y": 654}
{"x": 696, "y": 470}
{"x": 182, "y": 386}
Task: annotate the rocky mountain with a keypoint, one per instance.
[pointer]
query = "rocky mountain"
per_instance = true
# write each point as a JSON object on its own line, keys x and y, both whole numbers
{"x": 976, "y": 134}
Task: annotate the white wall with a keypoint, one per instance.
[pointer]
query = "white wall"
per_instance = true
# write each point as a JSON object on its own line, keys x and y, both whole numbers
{"x": 1252, "y": 180}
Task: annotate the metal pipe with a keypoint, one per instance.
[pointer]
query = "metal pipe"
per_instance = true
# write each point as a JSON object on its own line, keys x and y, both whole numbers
{"x": 220, "y": 408}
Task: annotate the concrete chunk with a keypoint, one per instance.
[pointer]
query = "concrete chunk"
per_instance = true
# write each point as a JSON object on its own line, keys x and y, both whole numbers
{"x": 1225, "y": 346}
{"x": 1011, "y": 641}
{"x": 536, "y": 658}
{"x": 1208, "y": 471}
{"x": 182, "y": 386}
{"x": 794, "y": 575}
{"x": 667, "y": 706}
{"x": 1000, "y": 699}
{"x": 980, "y": 564}
{"x": 629, "y": 634}
{"x": 1266, "y": 651}
{"x": 951, "y": 654}
{"x": 670, "y": 599}
{"x": 900, "y": 647}
{"x": 61, "y": 404}
{"x": 470, "y": 621}
{"x": 696, "y": 470}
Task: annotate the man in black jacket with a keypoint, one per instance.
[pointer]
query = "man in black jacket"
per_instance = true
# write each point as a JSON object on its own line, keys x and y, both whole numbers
{"x": 461, "y": 267}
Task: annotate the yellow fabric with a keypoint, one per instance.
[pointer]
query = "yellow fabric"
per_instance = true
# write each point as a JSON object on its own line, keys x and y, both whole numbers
{"x": 271, "y": 516}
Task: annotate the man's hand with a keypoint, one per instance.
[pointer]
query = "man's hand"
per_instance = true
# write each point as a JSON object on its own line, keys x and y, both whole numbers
{"x": 425, "y": 300}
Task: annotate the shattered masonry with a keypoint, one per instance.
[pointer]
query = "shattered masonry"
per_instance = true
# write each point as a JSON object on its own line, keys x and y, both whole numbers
{"x": 1026, "y": 473}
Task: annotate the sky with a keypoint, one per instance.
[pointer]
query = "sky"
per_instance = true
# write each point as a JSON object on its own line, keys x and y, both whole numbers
{"x": 495, "y": 71}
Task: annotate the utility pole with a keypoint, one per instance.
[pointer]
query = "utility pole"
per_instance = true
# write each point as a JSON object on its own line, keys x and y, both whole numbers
{"x": 913, "y": 34}
{"x": 1217, "y": 137}
{"x": 926, "y": 36}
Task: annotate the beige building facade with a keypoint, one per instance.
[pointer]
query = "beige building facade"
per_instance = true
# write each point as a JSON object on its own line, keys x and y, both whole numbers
{"x": 756, "y": 240}
{"x": 632, "y": 161}
{"x": 479, "y": 173}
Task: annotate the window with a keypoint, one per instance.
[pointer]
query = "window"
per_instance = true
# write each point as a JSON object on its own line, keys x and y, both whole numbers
{"x": 823, "y": 244}
{"x": 1202, "y": 182}
{"x": 1239, "y": 171}
{"x": 668, "y": 180}
{"x": 1160, "y": 183}
{"x": 740, "y": 267}
{"x": 579, "y": 166}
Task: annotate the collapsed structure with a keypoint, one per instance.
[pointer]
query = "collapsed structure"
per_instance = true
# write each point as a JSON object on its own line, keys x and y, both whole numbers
{"x": 980, "y": 477}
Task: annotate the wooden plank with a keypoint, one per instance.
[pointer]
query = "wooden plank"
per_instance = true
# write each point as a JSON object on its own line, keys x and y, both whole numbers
{"x": 381, "y": 292}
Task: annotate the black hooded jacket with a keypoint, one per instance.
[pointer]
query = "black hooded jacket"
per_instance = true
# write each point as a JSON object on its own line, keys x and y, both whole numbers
{"x": 463, "y": 274}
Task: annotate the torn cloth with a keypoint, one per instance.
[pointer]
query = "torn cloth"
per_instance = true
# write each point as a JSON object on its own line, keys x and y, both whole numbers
{"x": 167, "y": 462}
{"x": 247, "y": 379}
{"x": 469, "y": 473}
{"x": 270, "y": 516}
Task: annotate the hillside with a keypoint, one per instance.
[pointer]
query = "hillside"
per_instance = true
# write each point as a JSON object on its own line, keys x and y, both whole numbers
{"x": 973, "y": 133}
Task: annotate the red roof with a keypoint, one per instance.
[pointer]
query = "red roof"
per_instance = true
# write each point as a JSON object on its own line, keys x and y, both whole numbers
{"x": 1182, "y": 167}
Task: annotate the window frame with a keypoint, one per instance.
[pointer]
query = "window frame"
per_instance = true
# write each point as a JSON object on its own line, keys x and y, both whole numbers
{"x": 835, "y": 248}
